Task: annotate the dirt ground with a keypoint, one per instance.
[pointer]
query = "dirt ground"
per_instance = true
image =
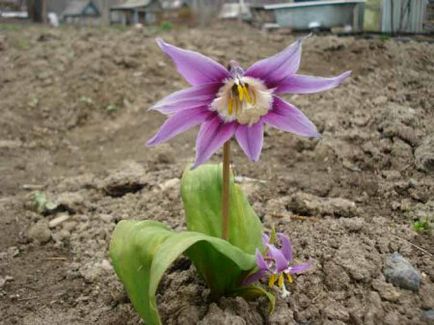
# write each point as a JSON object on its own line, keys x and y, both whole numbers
{"x": 73, "y": 125}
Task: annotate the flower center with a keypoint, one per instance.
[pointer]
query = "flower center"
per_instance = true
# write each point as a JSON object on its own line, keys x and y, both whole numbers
{"x": 243, "y": 99}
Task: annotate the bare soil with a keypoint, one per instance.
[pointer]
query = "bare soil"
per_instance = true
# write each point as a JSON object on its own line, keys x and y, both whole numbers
{"x": 73, "y": 125}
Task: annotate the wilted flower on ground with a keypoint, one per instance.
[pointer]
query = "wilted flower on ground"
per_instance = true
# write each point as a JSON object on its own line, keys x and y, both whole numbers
{"x": 233, "y": 102}
{"x": 275, "y": 264}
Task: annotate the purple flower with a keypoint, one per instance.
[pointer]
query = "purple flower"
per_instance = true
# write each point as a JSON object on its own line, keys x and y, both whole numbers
{"x": 275, "y": 264}
{"x": 236, "y": 102}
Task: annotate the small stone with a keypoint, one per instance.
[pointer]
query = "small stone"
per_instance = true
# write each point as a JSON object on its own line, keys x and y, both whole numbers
{"x": 171, "y": 183}
{"x": 105, "y": 265}
{"x": 58, "y": 220}
{"x": 428, "y": 316}
{"x": 308, "y": 204}
{"x": 386, "y": 290}
{"x": 401, "y": 273}
{"x": 40, "y": 232}
{"x": 5, "y": 279}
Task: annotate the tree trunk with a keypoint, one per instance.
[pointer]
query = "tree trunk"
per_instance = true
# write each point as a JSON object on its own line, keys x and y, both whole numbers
{"x": 37, "y": 10}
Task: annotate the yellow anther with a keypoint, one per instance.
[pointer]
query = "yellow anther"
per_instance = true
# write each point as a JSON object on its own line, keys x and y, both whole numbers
{"x": 237, "y": 105}
{"x": 240, "y": 92}
{"x": 281, "y": 279}
{"x": 290, "y": 279}
{"x": 230, "y": 105}
{"x": 271, "y": 280}
{"x": 247, "y": 95}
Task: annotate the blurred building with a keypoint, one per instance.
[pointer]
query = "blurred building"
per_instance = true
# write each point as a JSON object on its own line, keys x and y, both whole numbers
{"x": 147, "y": 12}
{"x": 403, "y": 16}
{"x": 81, "y": 12}
{"x": 346, "y": 15}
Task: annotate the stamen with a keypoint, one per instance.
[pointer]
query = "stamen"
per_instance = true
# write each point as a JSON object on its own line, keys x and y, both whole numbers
{"x": 240, "y": 92}
{"x": 290, "y": 279}
{"x": 237, "y": 105}
{"x": 242, "y": 99}
{"x": 281, "y": 280}
{"x": 246, "y": 94}
{"x": 271, "y": 280}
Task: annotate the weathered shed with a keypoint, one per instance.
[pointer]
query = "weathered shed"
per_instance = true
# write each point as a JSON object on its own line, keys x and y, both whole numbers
{"x": 81, "y": 12}
{"x": 323, "y": 14}
{"x": 134, "y": 12}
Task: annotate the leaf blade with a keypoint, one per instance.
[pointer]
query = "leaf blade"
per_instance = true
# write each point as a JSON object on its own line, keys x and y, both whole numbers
{"x": 201, "y": 191}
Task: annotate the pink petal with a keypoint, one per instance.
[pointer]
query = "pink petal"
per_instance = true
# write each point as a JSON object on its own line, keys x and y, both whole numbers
{"x": 212, "y": 135}
{"x": 279, "y": 258}
{"x": 300, "y": 84}
{"x": 262, "y": 266}
{"x": 196, "y": 68}
{"x": 260, "y": 262}
{"x": 265, "y": 239}
{"x": 184, "y": 99}
{"x": 250, "y": 139}
{"x": 178, "y": 123}
{"x": 253, "y": 278}
{"x": 286, "y": 246}
{"x": 277, "y": 67}
{"x": 287, "y": 117}
{"x": 300, "y": 268}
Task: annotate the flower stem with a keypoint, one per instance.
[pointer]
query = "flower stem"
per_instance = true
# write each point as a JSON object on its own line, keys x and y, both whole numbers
{"x": 225, "y": 189}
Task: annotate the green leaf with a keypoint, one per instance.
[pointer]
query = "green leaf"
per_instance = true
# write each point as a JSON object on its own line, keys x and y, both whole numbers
{"x": 201, "y": 191}
{"x": 142, "y": 251}
{"x": 132, "y": 250}
{"x": 42, "y": 204}
{"x": 252, "y": 292}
